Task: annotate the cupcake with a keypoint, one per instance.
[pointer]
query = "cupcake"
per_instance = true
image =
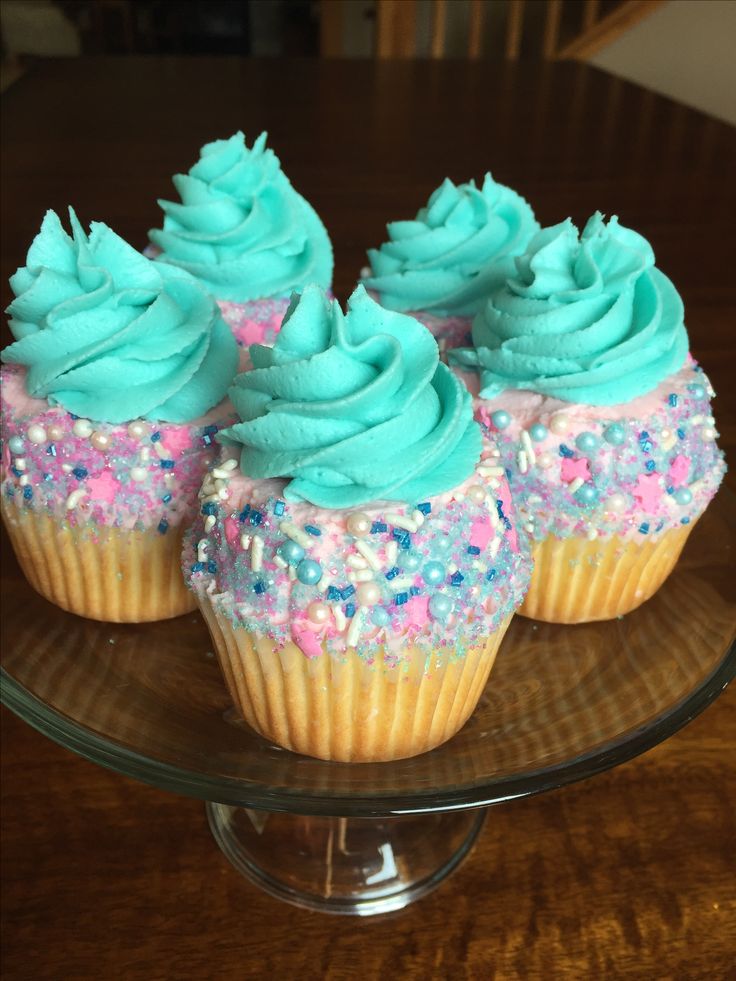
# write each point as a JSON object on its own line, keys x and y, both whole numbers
{"x": 602, "y": 417}
{"x": 441, "y": 266}
{"x": 246, "y": 234}
{"x": 111, "y": 397}
{"x": 359, "y": 577}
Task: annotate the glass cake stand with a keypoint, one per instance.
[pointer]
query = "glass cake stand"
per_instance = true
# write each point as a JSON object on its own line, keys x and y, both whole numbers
{"x": 562, "y": 704}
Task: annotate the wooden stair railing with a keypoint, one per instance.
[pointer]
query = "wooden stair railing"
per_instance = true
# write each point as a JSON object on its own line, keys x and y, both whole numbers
{"x": 396, "y": 27}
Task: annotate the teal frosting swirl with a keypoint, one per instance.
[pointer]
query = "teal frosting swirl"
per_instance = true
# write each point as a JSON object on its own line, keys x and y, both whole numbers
{"x": 585, "y": 319}
{"x": 241, "y": 228}
{"x": 456, "y": 250}
{"x": 112, "y": 336}
{"x": 354, "y": 408}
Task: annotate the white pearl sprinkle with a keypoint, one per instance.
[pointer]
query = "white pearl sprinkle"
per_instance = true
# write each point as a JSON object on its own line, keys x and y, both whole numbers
{"x": 36, "y": 434}
{"x": 137, "y": 429}
{"x": 138, "y": 474}
{"x": 20, "y": 463}
{"x": 82, "y": 428}
{"x": 24, "y": 480}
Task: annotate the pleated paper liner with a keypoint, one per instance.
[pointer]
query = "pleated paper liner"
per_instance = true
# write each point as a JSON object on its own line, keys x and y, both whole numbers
{"x": 345, "y": 709}
{"x": 100, "y": 572}
{"x": 577, "y": 581}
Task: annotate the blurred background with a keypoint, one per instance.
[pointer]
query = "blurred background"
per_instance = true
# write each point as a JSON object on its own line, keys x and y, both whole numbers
{"x": 680, "y": 48}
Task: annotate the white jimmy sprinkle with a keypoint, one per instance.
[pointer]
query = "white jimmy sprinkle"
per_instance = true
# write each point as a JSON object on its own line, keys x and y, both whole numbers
{"x": 245, "y": 541}
{"x": 362, "y": 575}
{"x": 67, "y": 467}
{"x": 211, "y": 498}
{"x": 296, "y": 534}
{"x": 340, "y": 621}
{"x": 521, "y": 461}
{"x": 400, "y": 521}
{"x": 169, "y": 480}
{"x": 280, "y": 562}
{"x": 223, "y": 493}
{"x": 209, "y": 522}
{"x": 490, "y": 471}
{"x": 494, "y": 547}
{"x": 229, "y": 465}
{"x": 256, "y": 554}
{"x": 696, "y": 420}
{"x": 575, "y": 485}
{"x": 219, "y": 474}
{"x": 160, "y": 450}
{"x": 74, "y": 498}
{"x": 526, "y": 443}
{"x": 403, "y": 583}
{"x": 145, "y": 454}
{"x": 357, "y": 562}
{"x": 417, "y": 517}
{"x": 392, "y": 550}
{"x": 356, "y": 625}
{"x": 202, "y": 550}
{"x": 369, "y": 555}
{"x": 292, "y": 573}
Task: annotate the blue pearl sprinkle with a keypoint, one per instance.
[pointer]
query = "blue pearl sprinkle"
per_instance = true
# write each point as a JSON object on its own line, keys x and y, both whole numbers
{"x": 614, "y": 434}
{"x": 16, "y": 444}
{"x": 587, "y": 442}
{"x": 587, "y": 494}
{"x": 291, "y": 552}
{"x": 538, "y": 432}
{"x": 409, "y": 562}
{"x": 309, "y": 572}
{"x": 500, "y": 419}
{"x": 440, "y": 606}
{"x": 682, "y": 495}
{"x": 433, "y": 573}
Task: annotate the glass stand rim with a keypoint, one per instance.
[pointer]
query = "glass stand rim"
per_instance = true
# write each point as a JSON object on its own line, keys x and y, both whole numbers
{"x": 225, "y": 790}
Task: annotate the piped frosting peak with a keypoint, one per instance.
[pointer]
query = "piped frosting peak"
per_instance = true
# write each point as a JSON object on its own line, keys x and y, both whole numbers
{"x": 455, "y": 251}
{"x": 586, "y": 318}
{"x": 241, "y": 228}
{"x": 353, "y": 408}
{"x": 109, "y": 335}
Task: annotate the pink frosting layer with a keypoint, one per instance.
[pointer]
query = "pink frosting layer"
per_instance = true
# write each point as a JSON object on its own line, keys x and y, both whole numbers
{"x": 133, "y": 475}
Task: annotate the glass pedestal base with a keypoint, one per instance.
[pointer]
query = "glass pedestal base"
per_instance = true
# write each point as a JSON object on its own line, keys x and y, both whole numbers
{"x": 354, "y": 866}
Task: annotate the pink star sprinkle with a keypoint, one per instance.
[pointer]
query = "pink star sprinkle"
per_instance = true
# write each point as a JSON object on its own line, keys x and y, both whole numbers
{"x": 571, "y": 469}
{"x": 679, "y": 470}
{"x": 417, "y": 611}
{"x": 648, "y": 492}
{"x": 306, "y": 639}
{"x": 103, "y": 487}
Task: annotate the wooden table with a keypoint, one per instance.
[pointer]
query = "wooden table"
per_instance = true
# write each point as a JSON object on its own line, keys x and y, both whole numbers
{"x": 627, "y": 875}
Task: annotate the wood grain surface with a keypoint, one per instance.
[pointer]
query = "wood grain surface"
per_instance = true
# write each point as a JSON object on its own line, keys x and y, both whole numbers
{"x": 629, "y": 875}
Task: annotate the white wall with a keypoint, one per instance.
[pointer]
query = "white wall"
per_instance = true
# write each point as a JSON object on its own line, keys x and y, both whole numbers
{"x": 686, "y": 49}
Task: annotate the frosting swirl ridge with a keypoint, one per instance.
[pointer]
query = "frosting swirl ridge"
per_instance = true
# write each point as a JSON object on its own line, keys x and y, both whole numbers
{"x": 241, "y": 228}
{"x": 354, "y": 408}
{"x": 110, "y": 335}
{"x": 585, "y": 319}
{"x": 455, "y": 251}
